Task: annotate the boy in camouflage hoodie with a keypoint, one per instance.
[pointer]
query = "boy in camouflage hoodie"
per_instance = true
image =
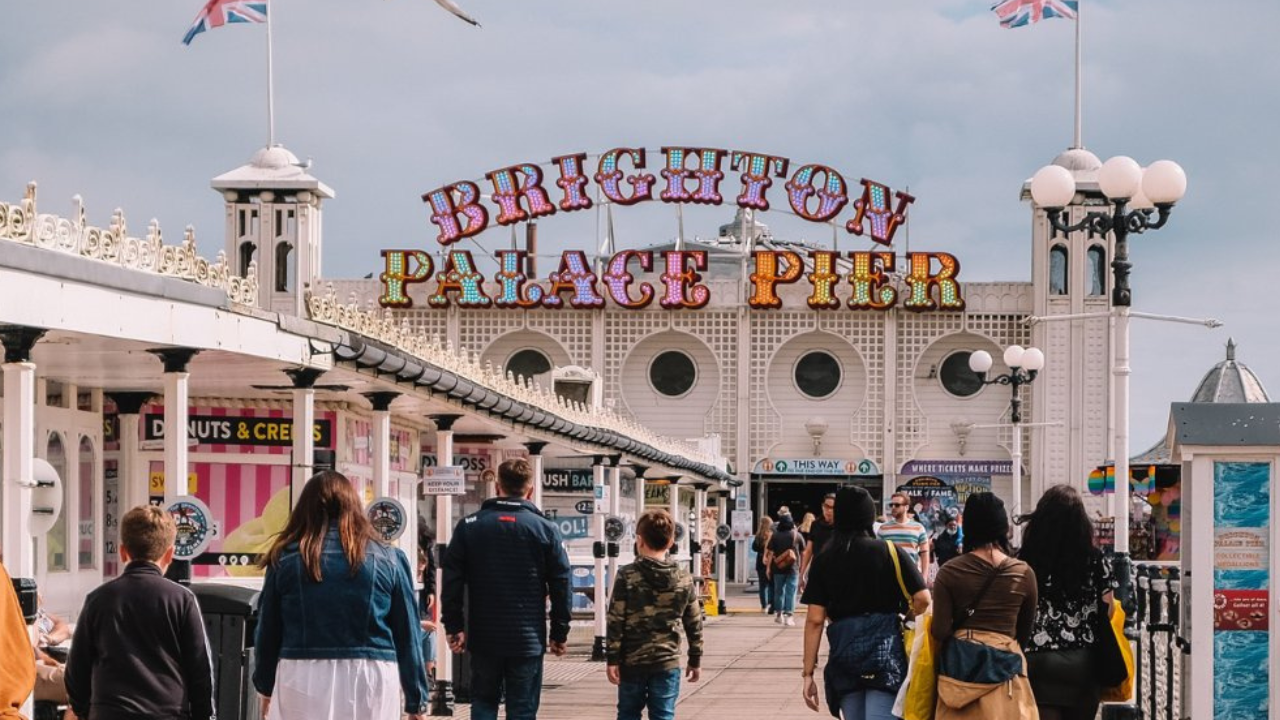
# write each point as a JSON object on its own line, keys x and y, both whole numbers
{"x": 650, "y": 597}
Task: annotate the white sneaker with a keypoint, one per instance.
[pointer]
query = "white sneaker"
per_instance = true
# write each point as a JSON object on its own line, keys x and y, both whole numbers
{"x": 789, "y": 621}
{"x": 778, "y": 618}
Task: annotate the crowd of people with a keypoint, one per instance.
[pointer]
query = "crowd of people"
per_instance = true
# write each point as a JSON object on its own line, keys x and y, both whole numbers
{"x": 342, "y": 632}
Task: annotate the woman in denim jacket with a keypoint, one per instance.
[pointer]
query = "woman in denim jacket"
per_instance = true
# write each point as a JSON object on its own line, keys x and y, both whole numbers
{"x": 338, "y": 633}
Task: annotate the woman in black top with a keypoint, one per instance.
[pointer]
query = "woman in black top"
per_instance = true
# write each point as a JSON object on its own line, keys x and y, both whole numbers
{"x": 854, "y": 576}
{"x": 1075, "y": 583}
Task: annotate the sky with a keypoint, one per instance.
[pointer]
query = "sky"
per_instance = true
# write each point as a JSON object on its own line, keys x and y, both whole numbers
{"x": 392, "y": 98}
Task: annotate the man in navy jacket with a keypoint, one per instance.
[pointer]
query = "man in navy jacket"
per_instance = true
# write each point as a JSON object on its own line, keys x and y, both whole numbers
{"x": 500, "y": 567}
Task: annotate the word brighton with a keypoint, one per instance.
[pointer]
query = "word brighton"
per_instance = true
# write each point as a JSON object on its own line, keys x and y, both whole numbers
{"x": 680, "y": 284}
{"x": 815, "y": 192}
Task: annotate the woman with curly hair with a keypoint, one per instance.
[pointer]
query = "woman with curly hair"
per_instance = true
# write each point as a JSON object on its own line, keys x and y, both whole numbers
{"x": 1075, "y": 583}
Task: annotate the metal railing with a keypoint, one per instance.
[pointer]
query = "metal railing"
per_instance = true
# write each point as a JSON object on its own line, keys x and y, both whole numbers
{"x": 1160, "y": 647}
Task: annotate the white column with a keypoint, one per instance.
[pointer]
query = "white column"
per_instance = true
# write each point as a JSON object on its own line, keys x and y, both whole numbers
{"x": 601, "y": 596}
{"x": 615, "y": 509}
{"x": 381, "y": 453}
{"x": 176, "y": 411}
{"x": 535, "y": 460}
{"x": 304, "y": 446}
{"x": 722, "y": 515}
{"x": 442, "y": 700}
{"x": 673, "y": 507}
{"x": 19, "y": 456}
{"x": 1121, "y": 373}
{"x": 131, "y": 477}
{"x": 1016, "y": 499}
{"x": 699, "y": 502}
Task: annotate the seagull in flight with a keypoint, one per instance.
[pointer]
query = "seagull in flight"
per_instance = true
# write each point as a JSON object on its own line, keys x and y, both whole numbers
{"x": 452, "y": 7}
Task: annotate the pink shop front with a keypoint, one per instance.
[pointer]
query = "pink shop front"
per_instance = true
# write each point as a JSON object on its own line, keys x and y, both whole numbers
{"x": 240, "y": 463}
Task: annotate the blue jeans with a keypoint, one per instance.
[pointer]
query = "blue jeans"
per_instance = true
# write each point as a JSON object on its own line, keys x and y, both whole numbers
{"x": 867, "y": 705}
{"x": 519, "y": 679}
{"x": 766, "y": 590}
{"x": 658, "y": 692}
{"x": 784, "y": 592}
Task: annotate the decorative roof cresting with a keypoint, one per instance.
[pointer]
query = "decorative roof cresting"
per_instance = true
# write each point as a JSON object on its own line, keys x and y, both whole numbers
{"x": 22, "y": 223}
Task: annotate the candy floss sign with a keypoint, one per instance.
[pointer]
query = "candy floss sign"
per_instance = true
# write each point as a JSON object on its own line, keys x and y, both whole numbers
{"x": 524, "y": 192}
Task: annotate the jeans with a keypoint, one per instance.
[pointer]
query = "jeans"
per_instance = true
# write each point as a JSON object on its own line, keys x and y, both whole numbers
{"x": 784, "y": 592}
{"x": 657, "y": 691}
{"x": 519, "y": 679}
{"x": 766, "y": 590}
{"x": 867, "y": 705}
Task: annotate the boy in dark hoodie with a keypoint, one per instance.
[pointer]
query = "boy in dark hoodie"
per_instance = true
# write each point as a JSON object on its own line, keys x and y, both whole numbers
{"x": 650, "y": 597}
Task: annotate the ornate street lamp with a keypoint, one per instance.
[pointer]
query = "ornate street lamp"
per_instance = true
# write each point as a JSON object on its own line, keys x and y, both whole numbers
{"x": 1136, "y": 195}
{"x": 1024, "y": 364}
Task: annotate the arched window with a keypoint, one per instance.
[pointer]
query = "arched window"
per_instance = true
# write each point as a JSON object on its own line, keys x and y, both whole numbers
{"x": 87, "y": 527}
{"x": 284, "y": 267}
{"x": 56, "y": 539}
{"x": 1097, "y": 270}
{"x": 247, "y": 249}
{"x": 1058, "y": 270}
{"x": 528, "y": 363}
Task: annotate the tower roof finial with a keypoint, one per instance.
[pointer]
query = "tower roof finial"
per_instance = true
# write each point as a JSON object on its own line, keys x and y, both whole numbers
{"x": 1231, "y": 349}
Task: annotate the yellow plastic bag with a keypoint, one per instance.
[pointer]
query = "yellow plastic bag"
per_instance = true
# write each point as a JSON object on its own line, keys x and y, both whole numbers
{"x": 919, "y": 694}
{"x": 1124, "y": 691}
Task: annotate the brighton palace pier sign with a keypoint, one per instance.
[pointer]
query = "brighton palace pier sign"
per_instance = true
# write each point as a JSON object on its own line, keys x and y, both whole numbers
{"x": 816, "y": 193}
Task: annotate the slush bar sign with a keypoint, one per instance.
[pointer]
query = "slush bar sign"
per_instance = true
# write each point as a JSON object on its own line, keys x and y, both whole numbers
{"x": 569, "y": 481}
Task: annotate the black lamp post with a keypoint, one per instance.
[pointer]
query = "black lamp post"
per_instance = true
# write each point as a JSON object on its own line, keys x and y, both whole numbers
{"x": 1024, "y": 364}
{"x": 1135, "y": 196}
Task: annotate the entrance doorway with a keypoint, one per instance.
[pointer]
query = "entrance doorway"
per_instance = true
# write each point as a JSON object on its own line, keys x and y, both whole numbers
{"x": 803, "y": 493}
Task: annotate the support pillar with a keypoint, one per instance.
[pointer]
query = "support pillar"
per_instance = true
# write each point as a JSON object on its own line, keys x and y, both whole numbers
{"x": 673, "y": 507}
{"x": 442, "y": 695}
{"x": 176, "y": 411}
{"x": 695, "y": 542}
{"x": 722, "y": 552}
{"x": 613, "y": 548}
{"x": 304, "y": 422}
{"x": 381, "y": 402}
{"x": 131, "y": 476}
{"x": 601, "y": 595}
{"x": 19, "y": 467}
{"x": 535, "y": 449}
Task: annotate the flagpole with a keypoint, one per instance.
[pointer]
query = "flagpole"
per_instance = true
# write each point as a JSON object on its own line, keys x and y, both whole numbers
{"x": 271, "y": 84}
{"x": 1077, "y": 142}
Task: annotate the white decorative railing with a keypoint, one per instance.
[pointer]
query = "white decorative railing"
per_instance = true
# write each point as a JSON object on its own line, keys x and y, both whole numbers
{"x": 381, "y": 325}
{"x": 21, "y": 223}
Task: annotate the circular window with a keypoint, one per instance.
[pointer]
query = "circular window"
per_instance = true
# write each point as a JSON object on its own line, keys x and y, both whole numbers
{"x": 673, "y": 373}
{"x": 956, "y": 376}
{"x": 528, "y": 363}
{"x": 817, "y": 374}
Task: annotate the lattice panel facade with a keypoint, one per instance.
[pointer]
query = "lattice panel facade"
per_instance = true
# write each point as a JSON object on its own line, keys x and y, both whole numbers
{"x": 432, "y": 323}
{"x": 916, "y": 332}
{"x": 865, "y": 331}
{"x": 717, "y": 329}
{"x": 571, "y": 328}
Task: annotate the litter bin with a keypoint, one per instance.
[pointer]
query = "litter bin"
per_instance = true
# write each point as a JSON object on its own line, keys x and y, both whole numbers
{"x": 230, "y": 618}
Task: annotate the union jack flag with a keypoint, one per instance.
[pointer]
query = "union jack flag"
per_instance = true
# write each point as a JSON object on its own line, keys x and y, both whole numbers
{"x": 1017, "y": 13}
{"x": 217, "y": 13}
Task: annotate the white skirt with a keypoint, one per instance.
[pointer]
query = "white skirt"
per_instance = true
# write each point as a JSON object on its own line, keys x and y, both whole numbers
{"x": 336, "y": 690}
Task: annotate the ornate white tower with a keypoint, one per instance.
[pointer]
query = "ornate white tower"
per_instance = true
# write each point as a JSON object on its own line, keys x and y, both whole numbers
{"x": 1071, "y": 276}
{"x": 273, "y": 220}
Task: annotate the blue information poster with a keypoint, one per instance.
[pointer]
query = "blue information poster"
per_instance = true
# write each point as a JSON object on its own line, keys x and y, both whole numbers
{"x": 1241, "y": 580}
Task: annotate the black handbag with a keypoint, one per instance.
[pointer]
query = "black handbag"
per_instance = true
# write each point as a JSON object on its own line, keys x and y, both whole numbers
{"x": 973, "y": 662}
{"x": 1105, "y": 657}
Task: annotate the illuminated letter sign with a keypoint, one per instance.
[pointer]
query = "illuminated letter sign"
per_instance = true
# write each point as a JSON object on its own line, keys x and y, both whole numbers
{"x": 814, "y": 192}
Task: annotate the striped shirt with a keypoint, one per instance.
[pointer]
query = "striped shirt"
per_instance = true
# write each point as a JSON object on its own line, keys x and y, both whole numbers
{"x": 908, "y": 535}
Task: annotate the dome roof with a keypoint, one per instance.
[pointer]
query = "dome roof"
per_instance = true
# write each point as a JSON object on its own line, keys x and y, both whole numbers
{"x": 1230, "y": 382}
{"x": 272, "y": 168}
{"x": 1227, "y": 382}
{"x": 1077, "y": 160}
